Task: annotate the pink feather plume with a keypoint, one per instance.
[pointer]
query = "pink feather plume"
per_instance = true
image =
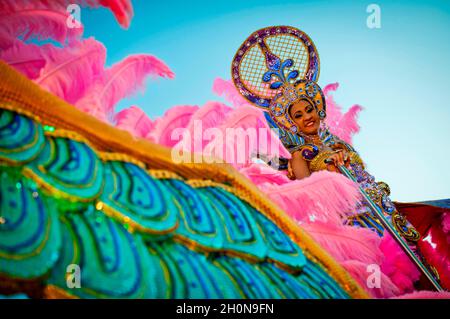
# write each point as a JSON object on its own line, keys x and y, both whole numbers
{"x": 122, "y": 10}
{"x": 69, "y": 72}
{"x": 359, "y": 271}
{"x": 206, "y": 117}
{"x": 346, "y": 242}
{"x": 25, "y": 58}
{"x": 397, "y": 265}
{"x": 227, "y": 89}
{"x": 212, "y": 114}
{"x": 120, "y": 81}
{"x": 342, "y": 125}
{"x": 324, "y": 196}
{"x": 134, "y": 120}
{"x": 244, "y": 144}
{"x": 216, "y": 115}
{"x": 263, "y": 175}
{"x": 6, "y": 40}
{"x": 37, "y": 19}
{"x": 175, "y": 117}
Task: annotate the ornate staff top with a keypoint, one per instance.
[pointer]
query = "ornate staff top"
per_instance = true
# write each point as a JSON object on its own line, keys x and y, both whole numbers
{"x": 275, "y": 67}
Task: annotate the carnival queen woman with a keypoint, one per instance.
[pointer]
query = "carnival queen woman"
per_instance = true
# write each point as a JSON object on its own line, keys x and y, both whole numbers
{"x": 276, "y": 69}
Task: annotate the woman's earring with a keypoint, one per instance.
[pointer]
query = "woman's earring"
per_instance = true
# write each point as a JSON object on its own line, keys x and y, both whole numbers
{"x": 322, "y": 114}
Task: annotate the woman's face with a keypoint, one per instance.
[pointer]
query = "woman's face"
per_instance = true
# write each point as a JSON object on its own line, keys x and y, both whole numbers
{"x": 305, "y": 116}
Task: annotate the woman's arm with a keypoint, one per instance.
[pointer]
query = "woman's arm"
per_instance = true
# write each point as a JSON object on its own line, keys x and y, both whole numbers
{"x": 298, "y": 167}
{"x": 340, "y": 158}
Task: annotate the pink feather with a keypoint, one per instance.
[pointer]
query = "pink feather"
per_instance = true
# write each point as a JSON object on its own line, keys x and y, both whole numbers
{"x": 122, "y": 10}
{"x": 134, "y": 120}
{"x": 342, "y": 125}
{"x": 263, "y": 174}
{"x": 6, "y": 40}
{"x": 397, "y": 265}
{"x": 175, "y": 117}
{"x": 446, "y": 223}
{"x": 330, "y": 88}
{"x": 228, "y": 91}
{"x": 348, "y": 125}
{"x": 244, "y": 117}
{"x": 121, "y": 81}
{"x": 70, "y": 72}
{"x": 222, "y": 118}
{"x": 359, "y": 271}
{"x": 25, "y": 58}
{"x": 355, "y": 249}
{"x": 324, "y": 196}
{"x": 346, "y": 242}
{"x": 237, "y": 151}
{"x": 212, "y": 114}
{"x": 40, "y": 19}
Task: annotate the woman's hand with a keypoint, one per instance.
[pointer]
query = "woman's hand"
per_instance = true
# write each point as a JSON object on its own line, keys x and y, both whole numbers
{"x": 339, "y": 158}
{"x": 290, "y": 172}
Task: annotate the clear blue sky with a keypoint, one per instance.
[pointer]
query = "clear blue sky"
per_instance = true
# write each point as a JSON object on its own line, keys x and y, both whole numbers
{"x": 399, "y": 73}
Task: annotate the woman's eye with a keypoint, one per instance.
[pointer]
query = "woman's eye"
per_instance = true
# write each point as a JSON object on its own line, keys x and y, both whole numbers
{"x": 309, "y": 110}
{"x": 297, "y": 116}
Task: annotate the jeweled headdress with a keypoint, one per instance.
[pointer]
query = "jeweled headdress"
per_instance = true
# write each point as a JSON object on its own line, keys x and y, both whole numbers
{"x": 275, "y": 67}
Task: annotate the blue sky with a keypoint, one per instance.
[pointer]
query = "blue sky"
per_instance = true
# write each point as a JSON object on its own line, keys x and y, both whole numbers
{"x": 398, "y": 73}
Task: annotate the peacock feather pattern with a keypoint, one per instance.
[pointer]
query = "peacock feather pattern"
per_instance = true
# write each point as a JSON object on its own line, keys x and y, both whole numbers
{"x": 138, "y": 227}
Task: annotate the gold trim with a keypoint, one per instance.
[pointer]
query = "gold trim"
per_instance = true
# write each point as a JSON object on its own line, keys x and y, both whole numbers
{"x": 163, "y": 174}
{"x": 61, "y": 133}
{"x": 318, "y": 162}
{"x": 19, "y": 94}
{"x": 26, "y": 147}
{"x": 133, "y": 225}
{"x": 104, "y": 156}
{"x": 120, "y": 157}
{"x": 54, "y": 292}
{"x": 29, "y": 173}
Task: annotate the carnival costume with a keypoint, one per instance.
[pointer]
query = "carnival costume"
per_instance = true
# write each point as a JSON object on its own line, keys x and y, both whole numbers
{"x": 278, "y": 66}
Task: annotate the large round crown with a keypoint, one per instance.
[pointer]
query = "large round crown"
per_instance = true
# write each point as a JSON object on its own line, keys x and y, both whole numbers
{"x": 275, "y": 67}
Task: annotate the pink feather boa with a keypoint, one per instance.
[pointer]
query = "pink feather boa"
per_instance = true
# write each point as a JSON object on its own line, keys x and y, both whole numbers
{"x": 303, "y": 199}
{"x": 397, "y": 265}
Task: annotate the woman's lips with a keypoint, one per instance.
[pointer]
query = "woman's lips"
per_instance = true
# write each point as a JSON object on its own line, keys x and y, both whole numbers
{"x": 309, "y": 124}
